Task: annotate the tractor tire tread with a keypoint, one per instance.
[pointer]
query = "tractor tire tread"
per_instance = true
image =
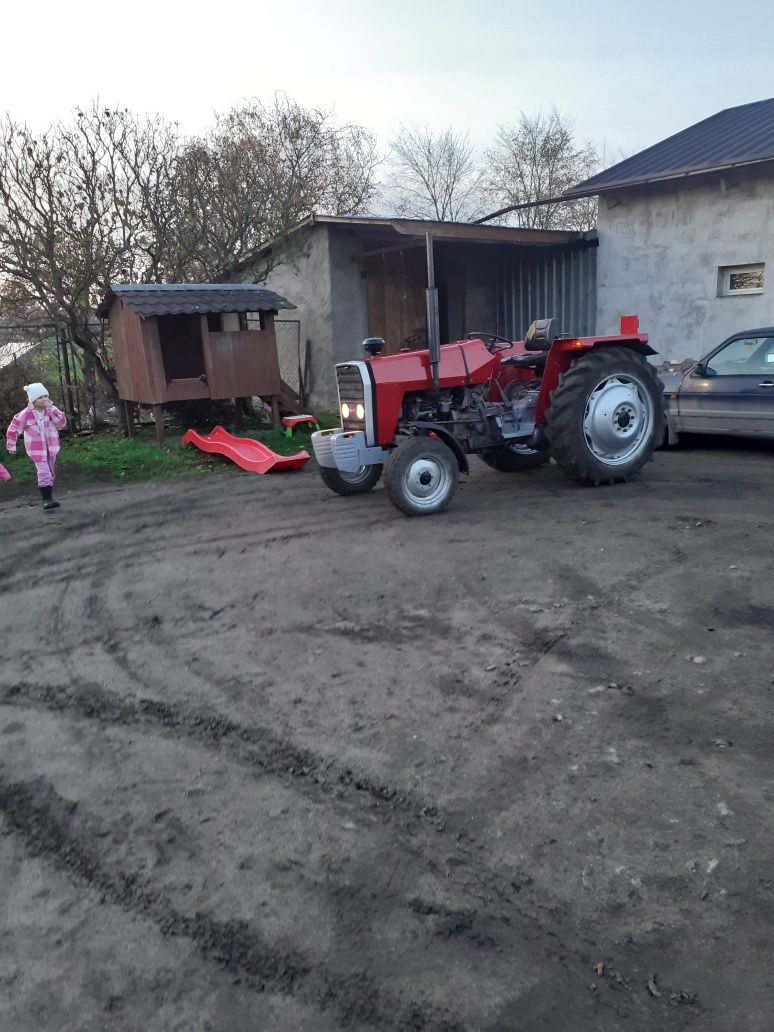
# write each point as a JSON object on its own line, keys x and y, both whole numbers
{"x": 393, "y": 474}
{"x": 336, "y": 483}
{"x": 567, "y": 401}
{"x": 506, "y": 461}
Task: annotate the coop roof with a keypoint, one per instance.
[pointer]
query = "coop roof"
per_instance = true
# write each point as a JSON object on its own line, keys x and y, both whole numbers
{"x": 192, "y": 298}
{"x": 738, "y": 136}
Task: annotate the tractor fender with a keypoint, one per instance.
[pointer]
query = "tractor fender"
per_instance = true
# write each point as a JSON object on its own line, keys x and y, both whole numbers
{"x": 448, "y": 438}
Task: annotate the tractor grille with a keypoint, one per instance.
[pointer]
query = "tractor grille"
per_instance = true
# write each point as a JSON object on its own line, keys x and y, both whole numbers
{"x": 351, "y": 392}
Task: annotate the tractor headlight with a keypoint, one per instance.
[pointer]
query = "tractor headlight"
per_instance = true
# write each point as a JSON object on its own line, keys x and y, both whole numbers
{"x": 360, "y": 412}
{"x": 345, "y": 411}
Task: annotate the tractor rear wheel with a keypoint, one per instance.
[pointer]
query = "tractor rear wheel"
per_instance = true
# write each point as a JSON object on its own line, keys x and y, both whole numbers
{"x": 351, "y": 483}
{"x": 605, "y": 416}
{"x": 420, "y": 476}
{"x": 514, "y": 460}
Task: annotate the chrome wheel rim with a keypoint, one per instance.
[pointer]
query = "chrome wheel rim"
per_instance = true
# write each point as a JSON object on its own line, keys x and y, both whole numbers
{"x": 427, "y": 482}
{"x": 358, "y": 477}
{"x": 618, "y": 419}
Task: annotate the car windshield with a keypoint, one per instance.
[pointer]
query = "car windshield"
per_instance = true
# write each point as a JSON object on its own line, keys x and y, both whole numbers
{"x": 749, "y": 356}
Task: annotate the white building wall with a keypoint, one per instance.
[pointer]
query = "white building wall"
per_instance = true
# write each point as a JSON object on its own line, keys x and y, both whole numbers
{"x": 659, "y": 256}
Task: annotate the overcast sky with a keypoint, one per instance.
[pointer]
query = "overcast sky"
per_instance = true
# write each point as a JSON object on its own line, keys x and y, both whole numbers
{"x": 630, "y": 73}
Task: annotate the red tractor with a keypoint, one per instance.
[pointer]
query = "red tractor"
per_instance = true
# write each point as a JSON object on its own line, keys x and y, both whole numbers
{"x": 593, "y": 404}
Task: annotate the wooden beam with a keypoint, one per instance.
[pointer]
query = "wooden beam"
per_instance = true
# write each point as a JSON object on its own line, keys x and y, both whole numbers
{"x": 394, "y": 247}
{"x": 158, "y": 415}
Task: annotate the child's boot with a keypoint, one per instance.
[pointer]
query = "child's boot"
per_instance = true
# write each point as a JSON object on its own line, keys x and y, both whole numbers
{"x": 48, "y": 501}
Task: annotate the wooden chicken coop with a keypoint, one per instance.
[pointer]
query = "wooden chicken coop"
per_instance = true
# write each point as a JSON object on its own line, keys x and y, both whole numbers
{"x": 188, "y": 341}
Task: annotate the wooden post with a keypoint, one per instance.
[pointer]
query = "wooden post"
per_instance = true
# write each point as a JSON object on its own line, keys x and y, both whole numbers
{"x": 275, "y": 413}
{"x": 127, "y": 410}
{"x": 239, "y": 414}
{"x": 158, "y": 416}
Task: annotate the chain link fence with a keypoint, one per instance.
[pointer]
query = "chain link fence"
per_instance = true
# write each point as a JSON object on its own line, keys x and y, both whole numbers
{"x": 29, "y": 354}
{"x": 293, "y": 359}
{"x": 43, "y": 352}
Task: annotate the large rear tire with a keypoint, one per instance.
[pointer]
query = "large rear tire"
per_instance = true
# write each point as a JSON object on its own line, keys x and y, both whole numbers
{"x": 348, "y": 484}
{"x": 605, "y": 416}
{"x": 421, "y": 475}
{"x": 514, "y": 460}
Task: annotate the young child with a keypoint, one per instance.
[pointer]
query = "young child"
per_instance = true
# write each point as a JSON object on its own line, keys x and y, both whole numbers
{"x": 40, "y": 422}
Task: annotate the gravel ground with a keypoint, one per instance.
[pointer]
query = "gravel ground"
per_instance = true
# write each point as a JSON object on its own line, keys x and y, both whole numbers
{"x": 271, "y": 759}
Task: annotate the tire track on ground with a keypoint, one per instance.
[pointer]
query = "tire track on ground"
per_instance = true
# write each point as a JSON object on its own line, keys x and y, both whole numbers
{"x": 45, "y": 822}
{"x": 251, "y": 746}
{"x": 259, "y": 751}
{"x": 84, "y": 563}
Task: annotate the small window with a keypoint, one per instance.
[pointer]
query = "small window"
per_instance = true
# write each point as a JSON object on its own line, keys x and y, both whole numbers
{"x": 251, "y": 320}
{"x": 740, "y": 279}
{"x": 214, "y": 322}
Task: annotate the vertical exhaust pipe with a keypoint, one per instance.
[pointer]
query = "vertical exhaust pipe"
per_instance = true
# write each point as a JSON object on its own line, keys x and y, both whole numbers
{"x": 433, "y": 321}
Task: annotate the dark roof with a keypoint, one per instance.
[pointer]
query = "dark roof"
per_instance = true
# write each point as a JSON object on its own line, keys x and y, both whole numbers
{"x": 185, "y": 298}
{"x": 737, "y": 136}
{"x": 392, "y": 231}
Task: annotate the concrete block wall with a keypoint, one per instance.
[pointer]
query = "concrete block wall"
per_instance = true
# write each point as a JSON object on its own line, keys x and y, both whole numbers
{"x": 659, "y": 255}
{"x": 320, "y": 273}
{"x": 349, "y": 298}
{"x": 303, "y": 276}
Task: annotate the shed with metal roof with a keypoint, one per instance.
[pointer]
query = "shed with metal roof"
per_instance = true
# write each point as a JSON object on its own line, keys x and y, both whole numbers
{"x": 354, "y": 277}
{"x": 192, "y": 341}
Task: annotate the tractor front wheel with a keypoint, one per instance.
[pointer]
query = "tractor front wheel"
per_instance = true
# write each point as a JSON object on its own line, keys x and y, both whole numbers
{"x": 605, "y": 416}
{"x": 420, "y": 476}
{"x": 351, "y": 483}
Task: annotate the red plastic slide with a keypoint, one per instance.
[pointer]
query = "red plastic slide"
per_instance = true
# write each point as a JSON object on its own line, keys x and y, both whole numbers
{"x": 244, "y": 451}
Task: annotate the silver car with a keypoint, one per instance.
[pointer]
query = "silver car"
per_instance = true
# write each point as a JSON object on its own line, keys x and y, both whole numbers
{"x": 731, "y": 391}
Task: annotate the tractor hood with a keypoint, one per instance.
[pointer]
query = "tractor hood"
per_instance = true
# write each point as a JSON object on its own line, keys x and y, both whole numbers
{"x": 463, "y": 363}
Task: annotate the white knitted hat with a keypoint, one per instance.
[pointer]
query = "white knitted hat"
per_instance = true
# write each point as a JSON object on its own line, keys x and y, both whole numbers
{"x": 35, "y": 391}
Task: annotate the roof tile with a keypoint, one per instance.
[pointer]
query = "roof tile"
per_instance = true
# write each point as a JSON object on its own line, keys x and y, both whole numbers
{"x": 189, "y": 298}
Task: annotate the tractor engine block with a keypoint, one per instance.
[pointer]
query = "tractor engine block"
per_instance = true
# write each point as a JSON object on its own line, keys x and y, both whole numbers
{"x": 472, "y": 416}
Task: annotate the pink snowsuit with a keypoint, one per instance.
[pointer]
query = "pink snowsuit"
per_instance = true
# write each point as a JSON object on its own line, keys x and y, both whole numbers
{"x": 42, "y": 447}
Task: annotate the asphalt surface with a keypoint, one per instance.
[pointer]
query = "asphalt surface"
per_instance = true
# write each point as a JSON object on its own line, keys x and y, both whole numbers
{"x": 275, "y": 759}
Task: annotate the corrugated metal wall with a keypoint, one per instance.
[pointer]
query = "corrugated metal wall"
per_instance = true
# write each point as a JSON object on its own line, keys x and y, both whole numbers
{"x": 539, "y": 284}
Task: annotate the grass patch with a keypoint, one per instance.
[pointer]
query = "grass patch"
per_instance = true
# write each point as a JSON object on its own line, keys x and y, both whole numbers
{"x": 110, "y": 457}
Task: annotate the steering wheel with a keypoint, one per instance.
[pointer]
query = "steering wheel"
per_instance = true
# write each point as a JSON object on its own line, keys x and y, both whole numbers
{"x": 491, "y": 337}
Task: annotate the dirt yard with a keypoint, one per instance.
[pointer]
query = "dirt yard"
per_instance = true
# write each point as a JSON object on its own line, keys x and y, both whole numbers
{"x": 271, "y": 759}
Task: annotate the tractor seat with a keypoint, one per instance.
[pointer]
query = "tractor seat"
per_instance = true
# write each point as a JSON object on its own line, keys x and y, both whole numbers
{"x": 536, "y": 358}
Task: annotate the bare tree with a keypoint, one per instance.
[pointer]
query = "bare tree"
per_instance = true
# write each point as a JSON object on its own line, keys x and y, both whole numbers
{"x": 539, "y": 158}
{"x": 434, "y": 175}
{"x": 261, "y": 170}
{"x": 74, "y": 215}
{"x": 112, "y": 196}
